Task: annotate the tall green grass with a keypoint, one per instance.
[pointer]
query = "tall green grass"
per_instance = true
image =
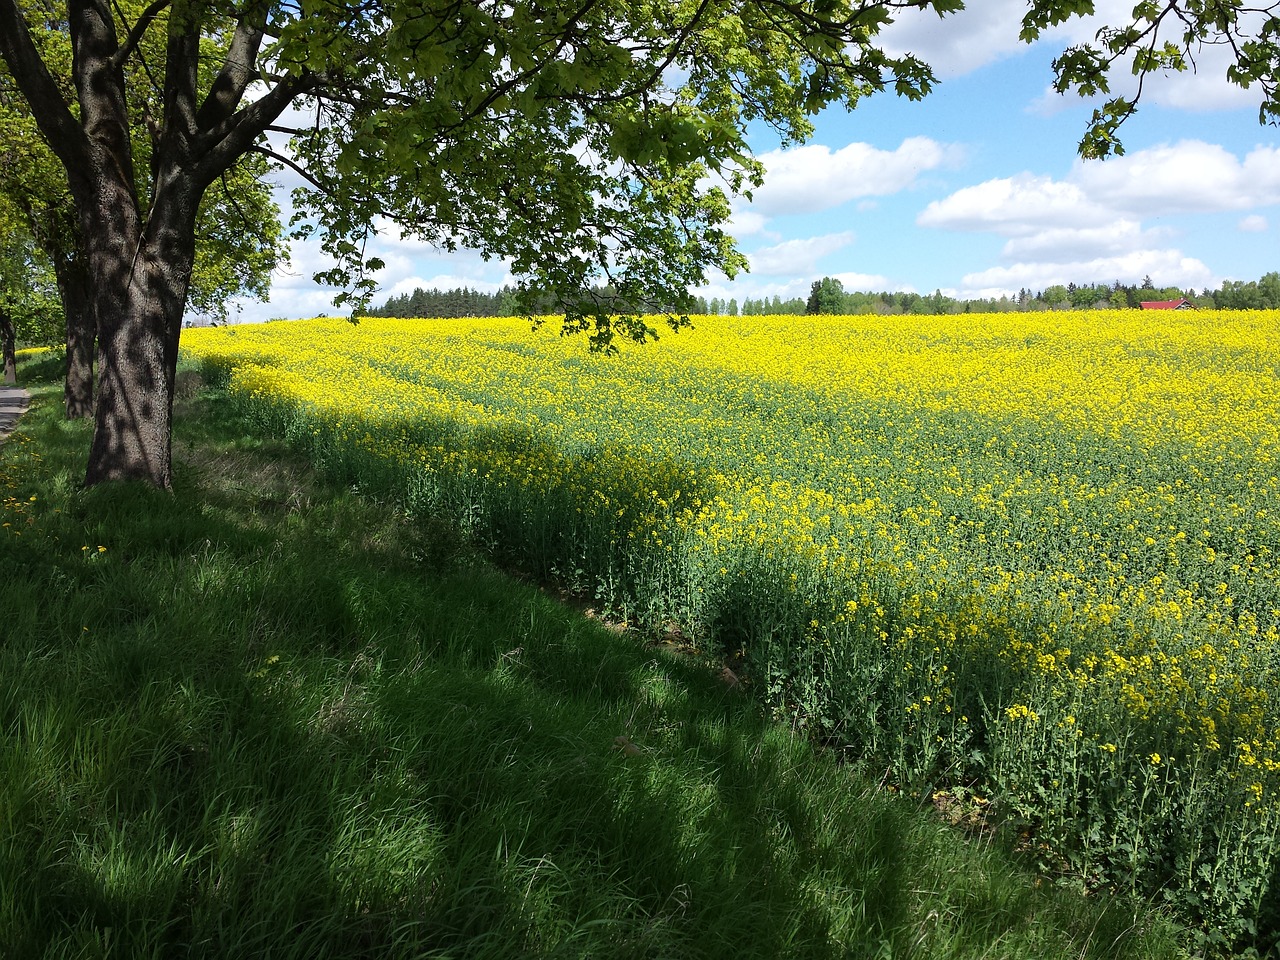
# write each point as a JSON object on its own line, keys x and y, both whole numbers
{"x": 268, "y": 716}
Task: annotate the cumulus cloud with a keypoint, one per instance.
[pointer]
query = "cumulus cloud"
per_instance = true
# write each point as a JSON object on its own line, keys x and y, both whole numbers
{"x": 441, "y": 281}
{"x": 788, "y": 269}
{"x": 747, "y": 223}
{"x": 1014, "y": 205}
{"x": 1204, "y": 87}
{"x": 1089, "y": 226}
{"x": 791, "y": 288}
{"x": 796, "y": 257}
{"x": 988, "y": 32}
{"x": 1165, "y": 267}
{"x": 1083, "y": 243}
{"x": 814, "y": 177}
{"x": 959, "y": 43}
{"x": 1188, "y": 176}
{"x": 863, "y": 281}
{"x": 1253, "y": 224}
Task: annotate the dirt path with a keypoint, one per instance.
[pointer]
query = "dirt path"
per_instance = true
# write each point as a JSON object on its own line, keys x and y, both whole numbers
{"x": 13, "y": 404}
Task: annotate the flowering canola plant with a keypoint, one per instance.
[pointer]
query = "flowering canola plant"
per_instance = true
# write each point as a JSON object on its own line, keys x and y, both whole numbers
{"x": 1035, "y": 555}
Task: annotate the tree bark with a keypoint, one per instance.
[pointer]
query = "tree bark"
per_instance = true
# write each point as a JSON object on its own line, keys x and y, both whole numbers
{"x": 8, "y": 348}
{"x": 138, "y": 332}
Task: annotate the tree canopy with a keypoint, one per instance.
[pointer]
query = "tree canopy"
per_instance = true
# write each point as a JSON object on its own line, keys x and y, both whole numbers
{"x": 28, "y": 293}
{"x": 587, "y": 144}
{"x": 825, "y": 296}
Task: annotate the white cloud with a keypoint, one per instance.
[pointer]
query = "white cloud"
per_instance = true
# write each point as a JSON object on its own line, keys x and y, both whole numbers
{"x": 1052, "y": 102}
{"x": 748, "y": 286}
{"x": 1165, "y": 267}
{"x": 1200, "y": 90}
{"x": 1083, "y": 243}
{"x": 747, "y": 223}
{"x": 1203, "y": 88}
{"x": 1015, "y": 205}
{"x": 958, "y": 44}
{"x": 410, "y": 264}
{"x": 812, "y": 178}
{"x": 863, "y": 281}
{"x": 987, "y": 32}
{"x": 1188, "y": 176}
{"x": 1253, "y": 224}
{"x": 1102, "y": 204}
{"x": 293, "y": 292}
{"x": 441, "y": 281}
{"x": 796, "y": 257}
{"x": 1089, "y": 226}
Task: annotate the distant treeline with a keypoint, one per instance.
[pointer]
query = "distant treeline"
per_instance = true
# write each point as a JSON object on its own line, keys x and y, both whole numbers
{"x": 465, "y": 302}
{"x": 828, "y": 296}
{"x": 462, "y": 302}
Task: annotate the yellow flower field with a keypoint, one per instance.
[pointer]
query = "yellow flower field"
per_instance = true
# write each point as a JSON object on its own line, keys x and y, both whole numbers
{"x": 1031, "y": 556}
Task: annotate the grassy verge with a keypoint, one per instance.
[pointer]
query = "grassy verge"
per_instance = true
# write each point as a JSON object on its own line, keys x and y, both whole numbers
{"x": 265, "y": 716}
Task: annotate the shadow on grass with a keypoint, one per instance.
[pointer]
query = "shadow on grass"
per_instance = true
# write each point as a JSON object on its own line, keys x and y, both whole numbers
{"x": 265, "y": 717}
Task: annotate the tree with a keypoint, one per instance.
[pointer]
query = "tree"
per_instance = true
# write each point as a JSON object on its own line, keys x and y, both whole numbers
{"x": 238, "y": 234}
{"x": 825, "y": 296}
{"x": 544, "y": 134}
{"x": 938, "y": 303}
{"x": 35, "y": 201}
{"x": 1087, "y": 296}
{"x": 28, "y": 298}
{"x": 1269, "y": 291}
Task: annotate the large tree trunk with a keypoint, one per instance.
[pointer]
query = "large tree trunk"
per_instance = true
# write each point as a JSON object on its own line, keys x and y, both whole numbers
{"x": 132, "y": 415}
{"x": 73, "y": 287}
{"x": 138, "y": 333}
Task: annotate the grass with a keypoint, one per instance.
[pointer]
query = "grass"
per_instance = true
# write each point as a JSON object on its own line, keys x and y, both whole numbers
{"x": 267, "y": 716}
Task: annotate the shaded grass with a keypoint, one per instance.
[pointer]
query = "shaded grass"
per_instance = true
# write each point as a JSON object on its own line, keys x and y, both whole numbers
{"x": 274, "y": 718}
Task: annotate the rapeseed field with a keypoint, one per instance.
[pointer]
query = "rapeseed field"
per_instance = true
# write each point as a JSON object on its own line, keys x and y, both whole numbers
{"x": 1028, "y": 564}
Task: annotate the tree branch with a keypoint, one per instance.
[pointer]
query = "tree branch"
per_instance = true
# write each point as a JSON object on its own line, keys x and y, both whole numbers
{"x": 239, "y": 69}
{"x": 137, "y": 32}
{"x": 290, "y": 163}
{"x": 218, "y": 148}
{"x": 52, "y": 115}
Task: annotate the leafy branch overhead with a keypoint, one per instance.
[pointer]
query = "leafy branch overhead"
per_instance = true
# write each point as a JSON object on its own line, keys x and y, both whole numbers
{"x": 581, "y": 143}
{"x": 1161, "y": 36}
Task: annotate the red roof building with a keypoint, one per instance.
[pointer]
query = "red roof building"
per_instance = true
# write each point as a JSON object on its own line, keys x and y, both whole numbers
{"x": 1182, "y": 303}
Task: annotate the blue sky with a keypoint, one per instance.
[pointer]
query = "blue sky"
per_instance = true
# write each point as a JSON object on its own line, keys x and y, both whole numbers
{"x": 977, "y": 190}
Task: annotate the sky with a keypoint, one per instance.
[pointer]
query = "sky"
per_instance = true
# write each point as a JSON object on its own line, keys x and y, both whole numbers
{"x": 977, "y": 190}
